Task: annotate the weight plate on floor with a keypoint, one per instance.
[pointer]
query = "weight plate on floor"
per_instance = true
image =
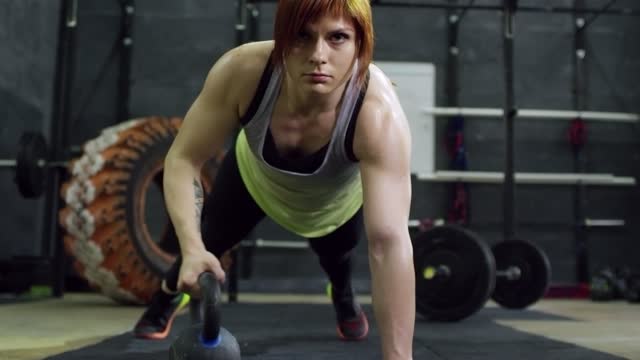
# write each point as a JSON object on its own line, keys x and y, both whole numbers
{"x": 535, "y": 273}
{"x": 455, "y": 273}
{"x": 30, "y": 177}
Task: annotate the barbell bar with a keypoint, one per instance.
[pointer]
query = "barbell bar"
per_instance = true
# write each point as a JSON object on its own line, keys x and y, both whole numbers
{"x": 12, "y": 163}
{"x": 511, "y": 273}
{"x": 443, "y": 271}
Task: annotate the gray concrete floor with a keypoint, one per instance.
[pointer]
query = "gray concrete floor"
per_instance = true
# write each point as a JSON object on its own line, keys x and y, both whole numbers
{"x": 37, "y": 329}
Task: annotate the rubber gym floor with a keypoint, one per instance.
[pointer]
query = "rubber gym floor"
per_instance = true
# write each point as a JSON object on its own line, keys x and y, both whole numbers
{"x": 90, "y": 326}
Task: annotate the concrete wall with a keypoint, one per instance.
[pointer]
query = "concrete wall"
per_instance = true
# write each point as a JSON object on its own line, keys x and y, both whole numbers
{"x": 28, "y": 41}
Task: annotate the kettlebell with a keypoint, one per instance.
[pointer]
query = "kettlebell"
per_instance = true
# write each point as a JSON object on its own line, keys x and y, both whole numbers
{"x": 206, "y": 340}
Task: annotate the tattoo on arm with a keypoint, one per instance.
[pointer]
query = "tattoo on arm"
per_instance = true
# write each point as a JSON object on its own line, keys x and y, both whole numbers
{"x": 199, "y": 194}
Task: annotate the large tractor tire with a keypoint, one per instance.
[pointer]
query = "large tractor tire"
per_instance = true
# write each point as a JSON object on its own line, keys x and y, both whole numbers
{"x": 116, "y": 231}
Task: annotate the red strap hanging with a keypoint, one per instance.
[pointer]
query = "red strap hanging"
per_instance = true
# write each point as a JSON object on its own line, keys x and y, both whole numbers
{"x": 577, "y": 134}
{"x": 458, "y": 210}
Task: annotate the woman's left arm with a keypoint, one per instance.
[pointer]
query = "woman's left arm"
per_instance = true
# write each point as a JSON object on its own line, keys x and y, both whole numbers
{"x": 383, "y": 146}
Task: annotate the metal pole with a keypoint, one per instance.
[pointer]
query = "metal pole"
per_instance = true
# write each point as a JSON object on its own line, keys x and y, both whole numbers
{"x": 509, "y": 7}
{"x": 534, "y": 114}
{"x": 455, "y": 125}
{"x": 126, "y": 46}
{"x": 544, "y": 9}
{"x": 597, "y": 14}
{"x": 254, "y": 24}
{"x": 241, "y": 35}
{"x": 579, "y": 103}
{"x": 58, "y": 137}
{"x": 452, "y": 58}
{"x": 241, "y": 22}
{"x": 232, "y": 290}
{"x": 491, "y": 177}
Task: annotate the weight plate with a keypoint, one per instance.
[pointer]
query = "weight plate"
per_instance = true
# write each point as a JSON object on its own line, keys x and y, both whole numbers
{"x": 455, "y": 273}
{"x": 30, "y": 177}
{"x": 535, "y": 272}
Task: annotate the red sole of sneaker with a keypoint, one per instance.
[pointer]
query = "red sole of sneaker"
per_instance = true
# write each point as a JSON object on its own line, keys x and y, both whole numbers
{"x": 158, "y": 335}
{"x": 161, "y": 335}
{"x": 361, "y": 337}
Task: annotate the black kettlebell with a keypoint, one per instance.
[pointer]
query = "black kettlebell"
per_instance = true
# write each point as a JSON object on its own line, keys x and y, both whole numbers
{"x": 206, "y": 341}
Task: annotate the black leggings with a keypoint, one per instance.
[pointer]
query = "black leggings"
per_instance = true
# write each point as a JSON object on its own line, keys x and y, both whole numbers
{"x": 230, "y": 213}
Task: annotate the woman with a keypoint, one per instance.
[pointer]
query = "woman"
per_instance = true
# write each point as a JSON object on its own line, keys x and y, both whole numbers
{"x": 324, "y": 149}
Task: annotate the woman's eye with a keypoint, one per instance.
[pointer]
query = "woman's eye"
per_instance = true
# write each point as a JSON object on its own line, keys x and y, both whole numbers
{"x": 339, "y": 37}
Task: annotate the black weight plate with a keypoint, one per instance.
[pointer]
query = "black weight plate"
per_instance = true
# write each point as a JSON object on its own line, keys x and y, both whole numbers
{"x": 535, "y": 274}
{"x": 471, "y": 278}
{"x": 30, "y": 177}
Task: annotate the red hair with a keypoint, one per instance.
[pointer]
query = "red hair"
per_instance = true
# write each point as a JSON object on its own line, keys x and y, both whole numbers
{"x": 292, "y": 15}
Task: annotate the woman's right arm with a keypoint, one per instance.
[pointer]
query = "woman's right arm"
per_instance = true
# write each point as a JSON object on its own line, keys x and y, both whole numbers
{"x": 207, "y": 125}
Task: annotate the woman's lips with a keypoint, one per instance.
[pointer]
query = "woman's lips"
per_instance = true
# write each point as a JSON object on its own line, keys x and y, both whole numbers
{"x": 318, "y": 77}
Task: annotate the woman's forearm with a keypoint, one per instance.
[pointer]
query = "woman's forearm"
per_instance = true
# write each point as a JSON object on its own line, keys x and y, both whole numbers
{"x": 393, "y": 292}
{"x": 184, "y": 198}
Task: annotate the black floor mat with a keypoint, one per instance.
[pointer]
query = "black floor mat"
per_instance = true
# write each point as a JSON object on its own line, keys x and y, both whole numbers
{"x": 274, "y": 331}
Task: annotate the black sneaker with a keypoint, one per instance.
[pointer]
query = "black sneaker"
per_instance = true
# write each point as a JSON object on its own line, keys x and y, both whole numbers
{"x": 156, "y": 321}
{"x": 352, "y": 321}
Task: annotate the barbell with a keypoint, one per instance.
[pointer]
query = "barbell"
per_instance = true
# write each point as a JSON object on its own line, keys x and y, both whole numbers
{"x": 457, "y": 272}
{"x": 31, "y": 164}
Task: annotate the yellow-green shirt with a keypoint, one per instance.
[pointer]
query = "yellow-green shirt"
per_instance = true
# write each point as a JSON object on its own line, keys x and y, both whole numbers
{"x": 308, "y": 204}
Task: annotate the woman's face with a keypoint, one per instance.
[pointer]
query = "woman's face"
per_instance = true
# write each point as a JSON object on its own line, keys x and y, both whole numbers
{"x": 321, "y": 59}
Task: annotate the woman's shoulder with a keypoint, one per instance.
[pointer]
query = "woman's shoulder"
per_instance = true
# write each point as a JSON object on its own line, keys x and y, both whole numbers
{"x": 381, "y": 118}
{"x": 380, "y": 93}
{"x": 240, "y": 69}
{"x": 252, "y": 57}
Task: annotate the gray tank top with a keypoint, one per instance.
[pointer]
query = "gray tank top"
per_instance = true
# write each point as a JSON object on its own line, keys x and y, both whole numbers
{"x": 338, "y": 165}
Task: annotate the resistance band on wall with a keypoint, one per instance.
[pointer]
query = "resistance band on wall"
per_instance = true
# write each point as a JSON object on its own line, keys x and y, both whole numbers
{"x": 577, "y": 135}
{"x": 458, "y": 211}
{"x": 459, "y": 208}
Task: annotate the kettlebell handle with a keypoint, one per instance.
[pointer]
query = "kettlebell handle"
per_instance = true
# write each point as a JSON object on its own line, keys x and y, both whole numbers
{"x": 210, "y": 289}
